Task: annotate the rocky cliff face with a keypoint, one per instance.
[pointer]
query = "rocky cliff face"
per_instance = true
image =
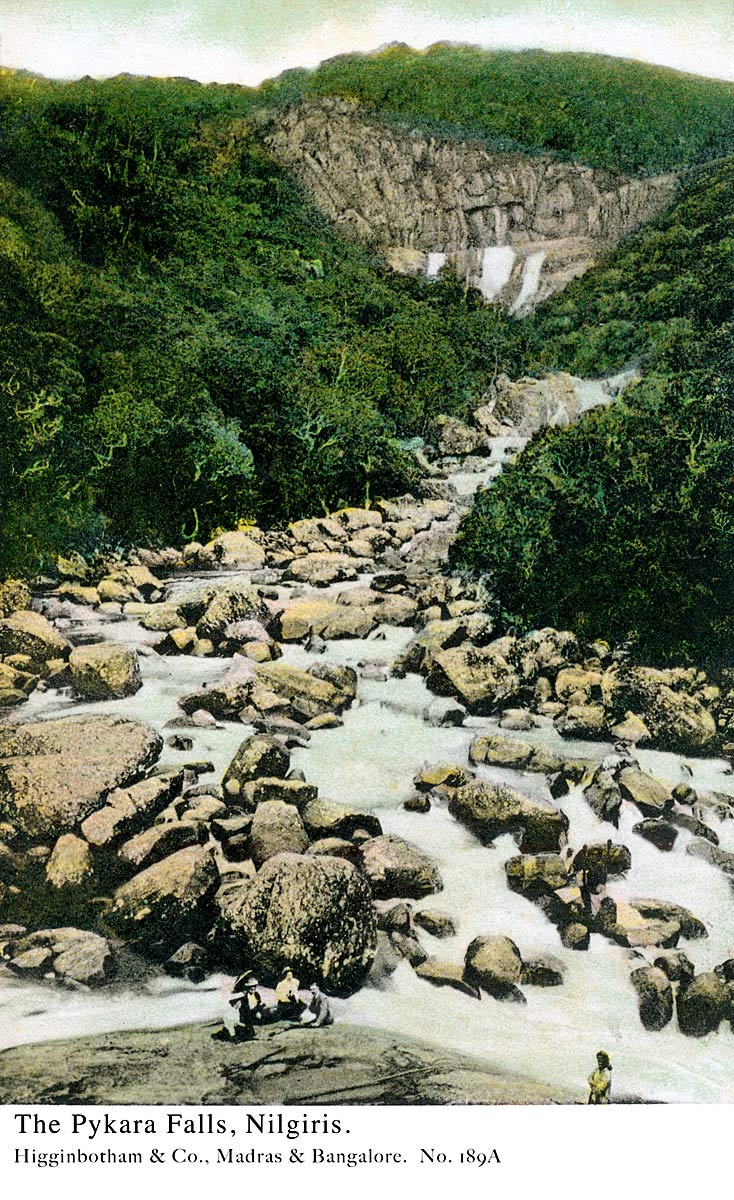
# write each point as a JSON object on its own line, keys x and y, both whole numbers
{"x": 515, "y": 226}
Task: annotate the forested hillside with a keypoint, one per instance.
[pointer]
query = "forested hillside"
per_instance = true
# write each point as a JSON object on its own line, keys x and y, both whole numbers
{"x": 624, "y": 524}
{"x": 185, "y": 343}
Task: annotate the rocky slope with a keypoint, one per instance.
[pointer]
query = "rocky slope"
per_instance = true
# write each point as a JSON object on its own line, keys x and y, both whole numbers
{"x": 515, "y": 226}
{"x": 336, "y": 1065}
{"x": 337, "y": 729}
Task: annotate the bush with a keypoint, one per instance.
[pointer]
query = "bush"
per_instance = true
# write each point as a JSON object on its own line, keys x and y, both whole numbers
{"x": 621, "y": 526}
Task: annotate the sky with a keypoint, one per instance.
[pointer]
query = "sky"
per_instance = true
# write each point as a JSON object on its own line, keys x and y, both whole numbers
{"x": 246, "y": 41}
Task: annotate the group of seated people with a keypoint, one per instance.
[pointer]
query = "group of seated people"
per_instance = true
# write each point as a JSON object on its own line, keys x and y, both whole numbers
{"x": 257, "y": 1005}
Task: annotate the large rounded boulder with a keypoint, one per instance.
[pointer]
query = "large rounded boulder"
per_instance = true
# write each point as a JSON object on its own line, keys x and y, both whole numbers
{"x": 105, "y": 671}
{"x": 702, "y": 1005}
{"x": 494, "y": 964}
{"x": 314, "y": 914}
{"x": 395, "y": 868}
{"x": 169, "y": 903}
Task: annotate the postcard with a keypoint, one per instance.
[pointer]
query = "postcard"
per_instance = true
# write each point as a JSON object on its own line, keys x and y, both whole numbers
{"x": 366, "y": 591}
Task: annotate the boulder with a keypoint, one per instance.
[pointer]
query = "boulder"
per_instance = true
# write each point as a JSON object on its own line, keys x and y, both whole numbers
{"x": 105, "y": 671}
{"x": 88, "y": 960}
{"x": 655, "y": 996}
{"x": 395, "y": 868}
{"x": 723, "y": 859}
{"x": 29, "y": 633}
{"x": 442, "y": 712}
{"x": 438, "y": 924}
{"x": 322, "y": 568}
{"x": 72, "y": 954}
{"x": 70, "y": 864}
{"x": 603, "y": 796}
{"x": 406, "y": 945}
{"x": 574, "y": 685}
{"x": 53, "y": 774}
{"x": 456, "y": 439}
{"x": 236, "y": 550}
{"x": 631, "y": 729}
{"x": 494, "y": 964}
{"x": 702, "y": 1005}
{"x": 603, "y": 859}
{"x": 647, "y": 922}
{"x": 482, "y": 678}
{"x": 190, "y": 961}
{"x": 519, "y": 719}
{"x": 533, "y": 874}
{"x": 500, "y": 752}
{"x": 662, "y": 834}
{"x": 261, "y": 754}
{"x": 168, "y": 903}
{"x": 228, "y": 606}
{"x": 163, "y": 618}
{"x": 547, "y": 971}
{"x": 676, "y": 965}
{"x": 444, "y": 974}
{"x": 276, "y": 828}
{"x": 278, "y": 689}
{"x": 130, "y": 810}
{"x": 326, "y": 619}
{"x": 313, "y": 914}
{"x": 676, "y": 719}
{"x": 158, "y": 842}
{"x": 438, "y": 635}
{"x": 335, "y": 848}
{"x": 684, "y": 820}
{"x": 651, "y": 797}
{"x": 449, "y": 775}
{"x": 491, "y": 809}
{"x": 575, "y": 936}
{"x": 326, "y": 819}
{"x": 587, "y": 721}
{"x": 290, "y": 791}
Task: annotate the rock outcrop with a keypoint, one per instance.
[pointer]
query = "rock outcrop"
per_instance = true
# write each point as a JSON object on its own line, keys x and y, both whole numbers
{"x": 515, "y": 226}
{"x": 54, "y": 774}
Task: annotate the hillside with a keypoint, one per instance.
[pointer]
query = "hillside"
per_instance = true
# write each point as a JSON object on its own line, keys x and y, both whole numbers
{"x": 625, "y": 116}
{"x": 187, "y": 342}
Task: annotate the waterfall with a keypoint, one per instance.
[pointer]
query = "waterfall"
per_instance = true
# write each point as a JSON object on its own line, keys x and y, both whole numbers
{"x": 436, "y": 260}
{"x": 497, "y": 263}
{"x": 530, "y": 280}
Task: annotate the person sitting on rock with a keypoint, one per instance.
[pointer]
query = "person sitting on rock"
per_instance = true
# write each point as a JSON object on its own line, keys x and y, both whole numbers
{"x": 287, "y": 998}
{"x": 317, "y": 1009}
{"x": 600, "y": 1080}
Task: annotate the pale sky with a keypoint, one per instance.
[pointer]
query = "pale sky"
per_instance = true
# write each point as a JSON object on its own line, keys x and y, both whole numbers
{"x": 246, "y": 41}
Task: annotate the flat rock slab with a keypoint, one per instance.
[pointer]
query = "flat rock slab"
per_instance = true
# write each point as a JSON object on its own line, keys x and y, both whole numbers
{"x": 339, "y": 1064}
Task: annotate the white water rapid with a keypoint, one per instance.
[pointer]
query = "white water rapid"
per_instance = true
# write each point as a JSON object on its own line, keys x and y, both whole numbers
{"x": 370, "y": 761}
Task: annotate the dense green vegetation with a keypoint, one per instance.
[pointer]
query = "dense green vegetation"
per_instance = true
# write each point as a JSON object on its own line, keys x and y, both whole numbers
{"x": 626, "y": 116}
{"x": 624, "y": 524}
{"x": 184, "y": 342}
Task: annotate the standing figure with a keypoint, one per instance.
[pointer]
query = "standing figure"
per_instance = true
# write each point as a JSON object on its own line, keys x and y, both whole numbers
{"x": 600, "y": 1080}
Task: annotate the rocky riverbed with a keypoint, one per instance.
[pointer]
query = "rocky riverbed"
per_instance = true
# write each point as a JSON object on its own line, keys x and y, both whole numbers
{"x": 313, "y": 746}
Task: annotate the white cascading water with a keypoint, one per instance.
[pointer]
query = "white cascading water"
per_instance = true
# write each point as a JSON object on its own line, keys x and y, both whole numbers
{"x": 530, "y": 280}
{"x": 497, "y": 264}
{"x": 370, "y": 762}
{"x": 436, "y": 260}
